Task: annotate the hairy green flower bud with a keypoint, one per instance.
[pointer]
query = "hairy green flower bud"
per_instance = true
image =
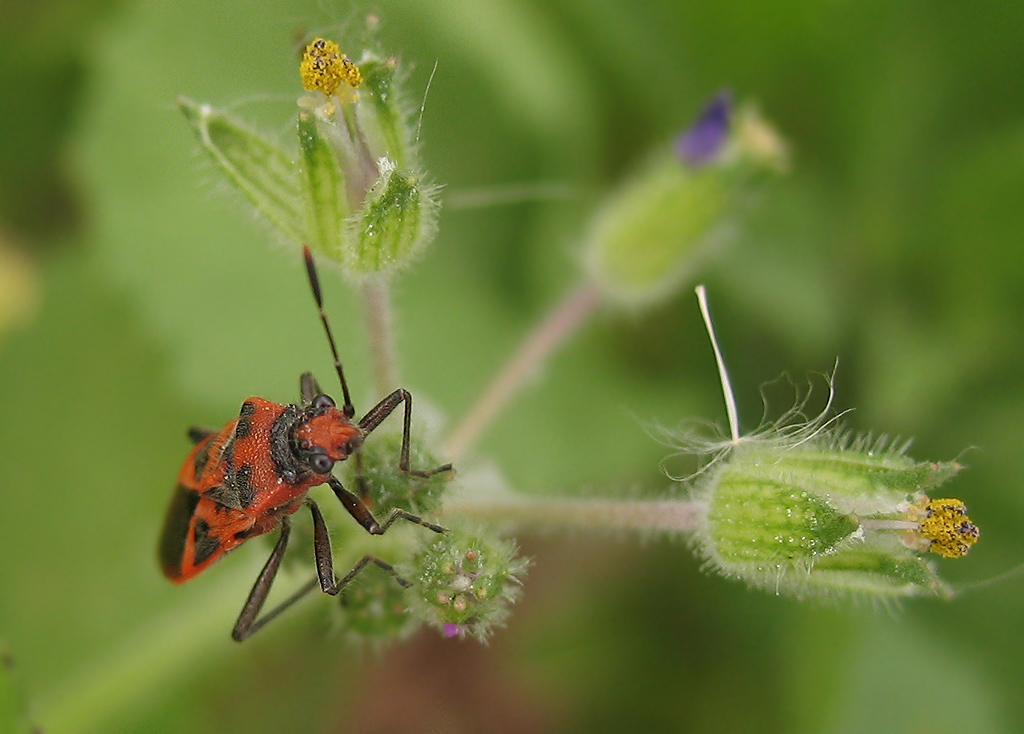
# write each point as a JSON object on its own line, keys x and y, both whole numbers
{"x": 643, "y": 240}
{"x": 800, "y": 508}
{"x": 465, "y": 581}
{"x": 829, "y": 515}
{"x": 389, "y": 213}
{"x": 652, "y": 233}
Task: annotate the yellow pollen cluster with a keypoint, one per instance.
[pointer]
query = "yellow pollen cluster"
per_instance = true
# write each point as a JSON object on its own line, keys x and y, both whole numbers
{"x": 946, "y": 524}
{"x": 324, "y": 68}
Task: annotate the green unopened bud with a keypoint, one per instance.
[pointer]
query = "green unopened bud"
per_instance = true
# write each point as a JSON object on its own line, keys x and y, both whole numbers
{"x": 643, "y": 243}
{"x": 651, "y": 235}
{"x": 465, "y": 581}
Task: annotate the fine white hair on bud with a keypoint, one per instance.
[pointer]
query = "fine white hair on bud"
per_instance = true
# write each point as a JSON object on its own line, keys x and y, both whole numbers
{"x": 800, "y": 507}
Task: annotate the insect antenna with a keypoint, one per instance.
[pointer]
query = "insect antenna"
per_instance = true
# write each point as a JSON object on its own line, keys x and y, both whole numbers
{"x": 314, "y": 283}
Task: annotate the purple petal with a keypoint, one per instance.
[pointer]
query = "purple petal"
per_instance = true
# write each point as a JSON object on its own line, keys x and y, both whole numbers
{"x": 703, "y": 141}
{"x": 452, "y": 630}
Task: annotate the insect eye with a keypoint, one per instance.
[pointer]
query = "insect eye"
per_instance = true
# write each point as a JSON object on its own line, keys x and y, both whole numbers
{"x": 320, "y": 462}
{"x": 323, "y": 401}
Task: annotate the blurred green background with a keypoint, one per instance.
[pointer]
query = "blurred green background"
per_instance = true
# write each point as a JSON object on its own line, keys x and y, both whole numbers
{"x": 136, "y": 300}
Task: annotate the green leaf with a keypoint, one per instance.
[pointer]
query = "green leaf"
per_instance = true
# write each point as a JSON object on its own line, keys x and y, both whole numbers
{"x": 257, "y": 167}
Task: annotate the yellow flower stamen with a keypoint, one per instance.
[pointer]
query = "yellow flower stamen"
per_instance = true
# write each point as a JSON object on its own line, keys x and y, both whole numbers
{"x": 941, "y": 526}
{"x": 324, "y": 68}
{"x": 948, "y": 527}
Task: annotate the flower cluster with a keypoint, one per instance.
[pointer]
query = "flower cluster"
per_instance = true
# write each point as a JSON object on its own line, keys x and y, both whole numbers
{"x": 354, "y": 192}
{"x": 465, "y": 582}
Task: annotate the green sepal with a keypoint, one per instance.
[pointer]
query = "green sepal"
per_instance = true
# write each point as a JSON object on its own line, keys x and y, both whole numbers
{"x": 323, "y": 188}
{"x": 397, "y": 219}
{"x": 757, "y": 518}
{"x": 383, "y": 118}
{"x": 254, "y": 165}
{"x": 866, "y": 482}
{"x": 892, "y": 572}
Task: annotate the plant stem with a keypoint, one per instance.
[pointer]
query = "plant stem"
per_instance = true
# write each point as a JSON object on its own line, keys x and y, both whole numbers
{"x": 529, "y": 513}
{"x": 532, "y": 353}
{"x": 377, "y": 302}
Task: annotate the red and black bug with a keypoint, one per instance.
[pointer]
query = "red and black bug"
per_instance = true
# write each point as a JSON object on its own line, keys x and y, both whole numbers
{"x": 246, "y": 479}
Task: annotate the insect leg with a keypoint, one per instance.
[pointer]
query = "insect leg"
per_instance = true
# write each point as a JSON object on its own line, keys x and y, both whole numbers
{"x": 364, "y": 517}
{"x": 325, "y": 560}
{"x": 247, "y": 623}
{"x": 385, "y": 408}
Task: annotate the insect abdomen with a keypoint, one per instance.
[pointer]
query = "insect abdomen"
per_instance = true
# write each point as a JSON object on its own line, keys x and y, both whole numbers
{"x": 176, "y": 532}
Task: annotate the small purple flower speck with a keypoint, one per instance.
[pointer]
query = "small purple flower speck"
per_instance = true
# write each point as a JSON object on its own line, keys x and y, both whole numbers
{"x": 452, "y": 630}
{"x": 701, "y": 143}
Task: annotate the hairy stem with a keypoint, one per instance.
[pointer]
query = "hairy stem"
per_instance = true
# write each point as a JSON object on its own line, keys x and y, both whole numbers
{"x": 377, "y": 302}
{"x": 532, "y": 353}
{"x": 529, "y": 513}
